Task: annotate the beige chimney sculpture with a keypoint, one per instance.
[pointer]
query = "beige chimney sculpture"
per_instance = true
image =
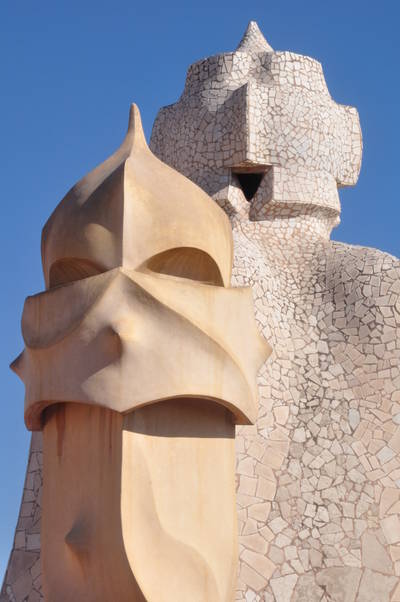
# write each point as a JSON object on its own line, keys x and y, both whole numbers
{"x": 139, "y": 360}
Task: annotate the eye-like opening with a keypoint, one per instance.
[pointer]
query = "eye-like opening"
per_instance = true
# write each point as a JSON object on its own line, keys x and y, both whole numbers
{"x": 249, "y": 179}
{"x": 70, "y": 269}
{"x": 186, "y": 262}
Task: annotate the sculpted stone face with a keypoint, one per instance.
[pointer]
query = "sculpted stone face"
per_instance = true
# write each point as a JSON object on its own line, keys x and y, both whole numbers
{"x": 139, "y": 360}
{"x": 133, "y": 253}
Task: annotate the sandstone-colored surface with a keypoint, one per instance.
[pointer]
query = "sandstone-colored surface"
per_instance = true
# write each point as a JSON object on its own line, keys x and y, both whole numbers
{"x": 306, "y": 590}
{"x": 259, "y": 132}
{"x": 139, "y": 360}
{"x": 374, "y": 555}
{"x": 282, "y": 587}
{"x": 93, "y": 339}
{"x": 340, "y": 583}
{"x": 375, "y": 586}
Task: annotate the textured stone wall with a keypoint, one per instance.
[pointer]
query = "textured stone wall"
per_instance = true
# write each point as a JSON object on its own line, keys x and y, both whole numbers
{"x": 22, "y": 579}
{"x": 255, "y": 107}
{"x": 318, "y": 475}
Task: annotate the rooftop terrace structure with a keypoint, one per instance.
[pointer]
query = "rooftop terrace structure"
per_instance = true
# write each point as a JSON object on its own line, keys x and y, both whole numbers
{"x": 318, "y": 475}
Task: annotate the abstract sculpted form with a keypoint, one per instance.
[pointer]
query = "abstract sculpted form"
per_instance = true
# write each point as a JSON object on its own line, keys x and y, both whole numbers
{"x": 139, "y": 360}
{"x": 263, "y": 121}
{"x": 139, "y": 309}
{"x": 319, "y": 476}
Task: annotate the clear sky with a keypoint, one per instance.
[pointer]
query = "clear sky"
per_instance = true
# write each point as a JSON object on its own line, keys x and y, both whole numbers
{"x": 69, "y": 71}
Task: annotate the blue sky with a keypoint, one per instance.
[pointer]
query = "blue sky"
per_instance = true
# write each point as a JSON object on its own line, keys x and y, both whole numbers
{"x": 69, "y": 71}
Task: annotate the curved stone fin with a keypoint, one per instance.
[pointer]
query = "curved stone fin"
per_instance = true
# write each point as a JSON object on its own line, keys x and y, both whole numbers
{"x": 135, "y": 137}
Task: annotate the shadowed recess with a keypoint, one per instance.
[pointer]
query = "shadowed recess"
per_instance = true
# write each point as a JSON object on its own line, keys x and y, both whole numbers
{"x": 71, "y": 269}
{"x": 183, "y": 417}
{"x": 249, "y": 183}
{"x": 186, "y": 262}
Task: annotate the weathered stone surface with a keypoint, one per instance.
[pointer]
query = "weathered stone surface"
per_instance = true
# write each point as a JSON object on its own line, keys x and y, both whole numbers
{"x": 391, "y": 528}
{"x": 375, "y": 586}
{"x": 374, "y": 555}
{"x": 22, "y": 587}
{"x": 340, "y": 583}
{"x": 20, "y": 563}
{"x": 282, "y": 587}
{"x": 306, "y": 590}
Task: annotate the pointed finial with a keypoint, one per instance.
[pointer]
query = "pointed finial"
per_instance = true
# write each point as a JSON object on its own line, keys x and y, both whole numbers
{"x": 135, "y": 135}
{"x": 253, "y": 40}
